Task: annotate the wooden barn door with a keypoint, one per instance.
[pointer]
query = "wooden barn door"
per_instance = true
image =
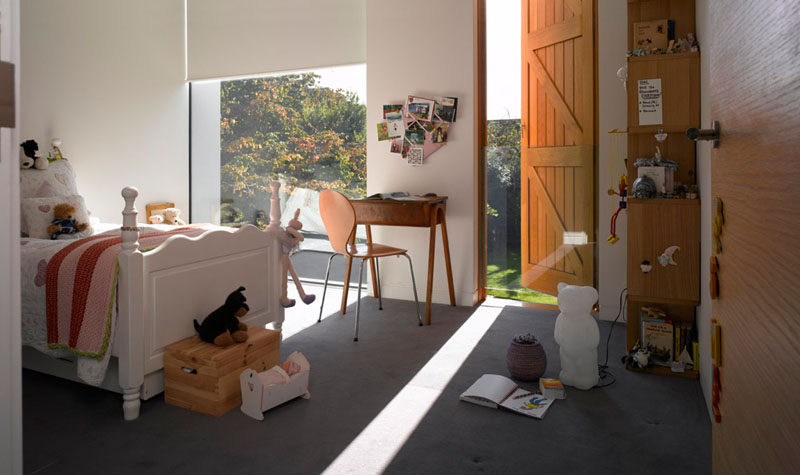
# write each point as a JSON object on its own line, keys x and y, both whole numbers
{"x": 756, "y": 173}
{"x": 558, "y": 143}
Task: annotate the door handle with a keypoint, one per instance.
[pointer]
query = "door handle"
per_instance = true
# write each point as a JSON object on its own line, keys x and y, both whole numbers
{"x": 705, "y": 134}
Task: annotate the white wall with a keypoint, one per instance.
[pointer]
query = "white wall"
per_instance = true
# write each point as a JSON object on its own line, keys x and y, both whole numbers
{"x": 703, "y": 315}
{"x": 612, "y": 18}
{"x": 438, "y": 60}
{"x": 10, "y": 333}
{"x": 107, "y": 76}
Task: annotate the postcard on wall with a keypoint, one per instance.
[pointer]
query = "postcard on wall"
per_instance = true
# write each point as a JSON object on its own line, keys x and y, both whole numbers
{"x": 420, "y": 107}
{"x": 650, "y": 111}
{"x": 396, "y": 127}
{"x": 415, "y": 134}
{"x": 397, "y": 146}
{"x": 415, "y": 156}
{"x": 392, "y": 111}
{"x": 446, "y": 108}
{"x": 383, "y": 131}
{"x": 406, "y": 148}
{"x": 439, "y": 134}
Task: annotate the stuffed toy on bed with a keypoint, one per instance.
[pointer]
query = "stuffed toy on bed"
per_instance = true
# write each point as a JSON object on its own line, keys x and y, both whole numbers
{"x": 222, "y": 326}
{"x": 64, "y": 221}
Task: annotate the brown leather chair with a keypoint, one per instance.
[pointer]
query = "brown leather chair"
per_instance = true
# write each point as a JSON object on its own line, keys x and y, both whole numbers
{"x": 340, "y": 223}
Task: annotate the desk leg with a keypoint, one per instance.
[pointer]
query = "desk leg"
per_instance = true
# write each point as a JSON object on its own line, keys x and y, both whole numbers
{"x": 431, "y": 258}
{"x": 447, "y": 260}
{"x": 372, "y": 264}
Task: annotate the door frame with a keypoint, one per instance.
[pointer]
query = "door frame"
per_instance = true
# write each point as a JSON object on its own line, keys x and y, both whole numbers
{"x": 479, "y": 156}
{"x": 10, "y": 330}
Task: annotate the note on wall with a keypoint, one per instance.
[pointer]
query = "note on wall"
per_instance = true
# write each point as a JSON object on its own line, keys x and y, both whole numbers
{"x": 650, "y": 102}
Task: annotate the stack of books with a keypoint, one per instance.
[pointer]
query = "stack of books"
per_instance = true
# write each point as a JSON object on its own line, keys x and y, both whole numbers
{"x": 671, "y": 343}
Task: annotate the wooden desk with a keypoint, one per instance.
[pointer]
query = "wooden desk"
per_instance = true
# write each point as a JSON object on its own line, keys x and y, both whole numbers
{"x": 425, "y": 214}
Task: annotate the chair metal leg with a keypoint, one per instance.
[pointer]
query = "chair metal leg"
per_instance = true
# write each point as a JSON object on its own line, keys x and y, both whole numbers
{"x": 414, "y": 286}
{"x": 325, "y": 287}
{"x": 378, "y": 278}
{"x": 358, "y": 302}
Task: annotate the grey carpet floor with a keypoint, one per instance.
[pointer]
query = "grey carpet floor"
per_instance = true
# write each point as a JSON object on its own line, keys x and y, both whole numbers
{"x": 640, "y": 424}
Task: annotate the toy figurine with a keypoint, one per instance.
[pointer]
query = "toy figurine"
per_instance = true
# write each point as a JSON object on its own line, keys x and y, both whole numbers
{"x": 623, "y": 194}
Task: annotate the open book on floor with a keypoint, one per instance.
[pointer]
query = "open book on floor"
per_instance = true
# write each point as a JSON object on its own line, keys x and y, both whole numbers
{"x": 492, "y": 390}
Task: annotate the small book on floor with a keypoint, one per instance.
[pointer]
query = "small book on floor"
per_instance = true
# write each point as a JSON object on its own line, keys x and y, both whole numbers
{"x": 492, "y": 390}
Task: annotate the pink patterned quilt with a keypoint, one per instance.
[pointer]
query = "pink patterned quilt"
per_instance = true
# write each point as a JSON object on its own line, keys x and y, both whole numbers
{"x": 81, "y": 283}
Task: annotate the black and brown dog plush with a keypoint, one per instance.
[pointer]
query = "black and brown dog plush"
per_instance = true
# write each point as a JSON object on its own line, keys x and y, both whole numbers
{"x": 222, "y": 326}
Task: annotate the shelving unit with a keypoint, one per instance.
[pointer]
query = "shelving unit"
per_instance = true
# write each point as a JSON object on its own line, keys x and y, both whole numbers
{"x": 655, "y": 224}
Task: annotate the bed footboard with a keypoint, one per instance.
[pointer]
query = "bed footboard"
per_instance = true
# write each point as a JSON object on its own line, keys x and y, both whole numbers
{"x": 161, "y": 291}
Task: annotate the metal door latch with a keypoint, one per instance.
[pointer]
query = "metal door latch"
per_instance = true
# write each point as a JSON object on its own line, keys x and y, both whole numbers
{"x": 705, "y": 134}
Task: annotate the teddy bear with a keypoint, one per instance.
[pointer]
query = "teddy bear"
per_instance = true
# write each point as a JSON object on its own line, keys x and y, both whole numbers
{"x": 155, "y": 219}
{"x": 222, "y": 326}
{"x": 171, "y": 216}
{"x": 64, "y": 221}
{"x": 577, "y": 335}
{"x": 28, "y": 157}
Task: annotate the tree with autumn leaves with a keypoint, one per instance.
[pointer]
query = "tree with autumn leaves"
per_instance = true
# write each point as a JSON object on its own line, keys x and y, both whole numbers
{"x": 291, "y": 129}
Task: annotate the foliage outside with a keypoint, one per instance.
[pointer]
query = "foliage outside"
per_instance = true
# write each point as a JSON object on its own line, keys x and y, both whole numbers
{"x": 290, "y": 129}
{"x": 503, "y": 270}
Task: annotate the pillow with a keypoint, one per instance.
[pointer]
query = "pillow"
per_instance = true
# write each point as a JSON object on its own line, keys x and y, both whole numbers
{"x": 57, "y": 180}
{"x": 38, "y": 213}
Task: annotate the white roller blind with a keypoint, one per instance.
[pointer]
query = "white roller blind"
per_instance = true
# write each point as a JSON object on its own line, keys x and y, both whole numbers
{"x": 243, "y": 37}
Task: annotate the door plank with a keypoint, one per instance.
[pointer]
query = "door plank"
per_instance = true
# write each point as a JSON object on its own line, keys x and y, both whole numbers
{"x": 557, "y": 33}
{"x": 552, "y": 93}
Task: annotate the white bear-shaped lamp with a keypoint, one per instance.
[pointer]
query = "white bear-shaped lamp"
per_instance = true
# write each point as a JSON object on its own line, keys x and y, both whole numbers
{"x": 577, "y": 336}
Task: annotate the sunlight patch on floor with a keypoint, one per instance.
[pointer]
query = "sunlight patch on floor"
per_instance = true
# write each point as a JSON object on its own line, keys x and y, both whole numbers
{"x": 375, "y": 447}
{"x": 302, "y": 316}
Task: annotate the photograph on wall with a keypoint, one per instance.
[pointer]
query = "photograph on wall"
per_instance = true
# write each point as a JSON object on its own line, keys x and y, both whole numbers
{"x": 439, "y": 134}
{"x": 415, "y": 134}
{"x": 415, "y": 156}
{"x": 446, "y": 108}
{"x": 392, "y": 111}
{"x": 396, "y": 127}
{"x": 406, "y": 148}
{"x": 397, "y": 146}
{"x": 383, "y": 131}
{"x": 420, "y": 107}
{"x": 428, "y": 126}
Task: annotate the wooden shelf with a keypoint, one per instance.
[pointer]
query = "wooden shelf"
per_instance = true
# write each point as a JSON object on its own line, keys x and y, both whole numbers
{"x": 663, "y": 370}
{"x": 663, "y": 202}
{"x": 663, "y": 300}
{"x": 679, "y": 129}
{"x": 659, "y": 223}
{"x": 664, "y": 57}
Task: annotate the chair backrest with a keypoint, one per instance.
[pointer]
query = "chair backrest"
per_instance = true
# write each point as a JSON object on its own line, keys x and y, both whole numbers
{"x": 339, "y": 218}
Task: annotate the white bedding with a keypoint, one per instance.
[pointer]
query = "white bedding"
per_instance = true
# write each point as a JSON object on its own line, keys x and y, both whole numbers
{"x": 35, "y": 254}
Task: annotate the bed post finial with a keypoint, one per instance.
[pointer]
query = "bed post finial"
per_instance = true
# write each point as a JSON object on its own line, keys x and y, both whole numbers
{"x": 130, "y": 233}
{"x": 275, "y": 206}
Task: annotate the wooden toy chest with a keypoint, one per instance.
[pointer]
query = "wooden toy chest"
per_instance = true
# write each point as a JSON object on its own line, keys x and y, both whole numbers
{"x": 204, "y": 378}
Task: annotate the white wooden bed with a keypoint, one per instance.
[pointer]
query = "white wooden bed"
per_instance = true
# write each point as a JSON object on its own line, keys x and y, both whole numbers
{"x": 160, "y": 292}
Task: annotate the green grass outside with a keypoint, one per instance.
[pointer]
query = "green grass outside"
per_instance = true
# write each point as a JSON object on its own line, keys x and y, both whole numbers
{"x": 503, "y": 279}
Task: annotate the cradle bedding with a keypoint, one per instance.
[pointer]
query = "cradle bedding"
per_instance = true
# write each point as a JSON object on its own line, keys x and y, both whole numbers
{"x": 82, "y": 319}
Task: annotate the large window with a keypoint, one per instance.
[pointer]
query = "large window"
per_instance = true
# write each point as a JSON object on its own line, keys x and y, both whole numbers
{"x": 306, "y": 130}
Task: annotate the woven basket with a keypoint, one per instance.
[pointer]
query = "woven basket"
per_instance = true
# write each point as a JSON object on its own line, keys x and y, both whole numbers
{"x": 526, "y": 362}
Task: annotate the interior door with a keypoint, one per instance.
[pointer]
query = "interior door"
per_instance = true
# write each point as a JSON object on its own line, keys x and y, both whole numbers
{"x": 755, "y": 95}
{"x": 558, "y": 143}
